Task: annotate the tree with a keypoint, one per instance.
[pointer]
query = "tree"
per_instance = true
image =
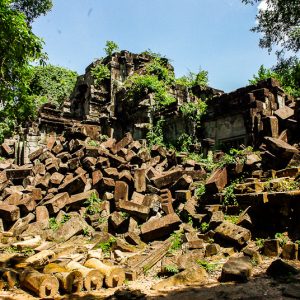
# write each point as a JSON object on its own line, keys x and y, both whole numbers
{"x": 18, "y": 48}
{"x": 52, "y": 82}
{"x": 32, "y": 8}
{"x": 110, "y": 48}
{"x": 279, "y": 23}
{"x": 287, "y": 72}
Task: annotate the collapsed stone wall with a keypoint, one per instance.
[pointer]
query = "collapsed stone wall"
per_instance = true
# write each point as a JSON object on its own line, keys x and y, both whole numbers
{"x": 243, "y": 116}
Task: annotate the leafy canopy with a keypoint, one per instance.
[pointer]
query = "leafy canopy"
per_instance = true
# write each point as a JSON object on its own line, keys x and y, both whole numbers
{"x": 110, "y": 48}
{"x": 53, "y": 82}
{"x": 18, "y": 48}
{"x": 279, "y": 24}
{"x": 32, "y": 8}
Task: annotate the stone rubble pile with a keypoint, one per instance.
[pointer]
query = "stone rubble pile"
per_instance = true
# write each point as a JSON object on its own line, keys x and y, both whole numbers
{"x": 85, "y": 215}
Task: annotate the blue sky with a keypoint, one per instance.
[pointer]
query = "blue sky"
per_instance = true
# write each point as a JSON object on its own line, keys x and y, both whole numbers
{"x": 213, "y": 34}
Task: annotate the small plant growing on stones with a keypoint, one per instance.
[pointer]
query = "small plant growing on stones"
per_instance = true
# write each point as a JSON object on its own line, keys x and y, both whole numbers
{"x": 229, "y": 195}
{"x": 259, "y": 242}
{"x": 283, "y": 239}
{"x": 171, "y": 269}
{"x": 100, "y": 72}
{"x": 106, "y": 246}
{"x": 204, "y": 227}
{"x": 232, "y": 219}
{"x": 207, "y": 266}
{"x": 93, "y": 204}
{"x": 86, "y": 231}
{"x": 110, "y": 48}
{"x": 176, "y": 241}
{"x": 53, "y": 224}
{"x": 93, "y": 143}
{"x": 200, "y": 190}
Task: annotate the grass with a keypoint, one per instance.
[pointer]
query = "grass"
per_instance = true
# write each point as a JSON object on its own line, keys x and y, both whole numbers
{"x": 171, "y": 269}
{"x": 176, "y": 241}
{"x": 106, "y": 247}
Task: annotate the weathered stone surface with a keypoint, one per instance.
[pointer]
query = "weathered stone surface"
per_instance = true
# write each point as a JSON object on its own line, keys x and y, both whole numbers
{"x": 290, "y": 251}
{"x": 55, "y": 204}
{"x": 271, "y": 247}
{"x": 73, "y": 185}
{"x": 159, "y": 228}
{"x": 217, "y": 181}
{"x": 166, "y": 179}
{"x": 79, "y": 199}
{"x": 237, "y": 269}
{"x": 284, "y": 113}
{"x": 73, "y": 226}
{"x": 140, "y": 180}
{"x": 10, "y": 213}
{"x": 191, "y": 276}
{"x": 212, "y": 249}
{"x": 134, "y": 209}
{"x": 233, "y": 233}
{"x": 121, "y": 191}
{"x": 280, "y": 147}
{"x": 280, "y": 268}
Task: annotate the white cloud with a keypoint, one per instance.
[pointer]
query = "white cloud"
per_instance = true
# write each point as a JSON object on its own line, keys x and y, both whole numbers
{"x": 263, "y": 5}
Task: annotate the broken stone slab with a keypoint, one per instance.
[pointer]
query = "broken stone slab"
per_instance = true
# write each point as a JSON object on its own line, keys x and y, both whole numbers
{"x": 194, "y": 275}
{"x": 233, "y": 233}
{"x": 290, "y": 251}
{"x": 56, "y": 178}
{"x": 280, "y": 268}
{"x": 58, "y": 202}
{"x": 31, "y": 243}
{"x": 18, "y": 174}
{"x": 9, "y": 213}
{"x": 140, "y": 180}
{"x": 122, "y": 143}
{"x": 40, "y": 259}
{"x": 74, "y": 226}
{"x": 281, "y": 148}
{"x": 134, "y": 209}
{"x": 160, "y": 227}
{"x": 121, "y": 192}
{"x": 271, "y": 248}
{"x": 34, "y": 155}
{"x": 284, "y": 113}
{"x": 237, "y": 269}
{"x": 78, "y": 200}
{"x": 74, "y": 185}
{"x": 166, "y": 179}
{"x": 216, "y": 181}
{"x": 8, "y": 151}
{"x": 212, "y": 249}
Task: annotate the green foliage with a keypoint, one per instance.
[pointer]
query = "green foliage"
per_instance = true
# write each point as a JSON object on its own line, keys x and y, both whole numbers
{"x": 171, "y": 269}
{"x": 176, "y": 241}
{"x": 287, "y": 72}
{"x": 32, "y": 8}
{"x": 65, "y": 218}
{"x": 184, "y": 142}
{"x": 283, "y": 239}
{"x": 110, "y": 48}
{"x": 278, "y": 24}
{"x": 52, "y": 82}
{"x": 207, "y": 266}
{"x": 204, "y": 227}
{"x": 200, "y": 190}
{"x": 93, "y": 143}
{"x": 93, "y": 204}
{"x": 262, "y": 74}
{"x": 18, "y": 48}
{"x": 231, "y": 218}
{"x": 53, "y": 224}
{"x": 124, "y": 214}
{"x": 106, "y": 246}
{"x": 193, "y": 79}
{"x": 86, "y": 231}
{"x": 158, "y": 67}
{"x": 259, "y": 242}
{"x": 229, "y": 195}
{"x": 155, "y": 135}
{"x": 194, "y": 110}
{"x": 141, "y": 85}
{"x": 100, "y": 73}
{"x": 25, "y": 251}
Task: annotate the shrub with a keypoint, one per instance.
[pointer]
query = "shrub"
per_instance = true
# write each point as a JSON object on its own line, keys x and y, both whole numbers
{"x": 100, "y": 72}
